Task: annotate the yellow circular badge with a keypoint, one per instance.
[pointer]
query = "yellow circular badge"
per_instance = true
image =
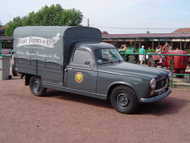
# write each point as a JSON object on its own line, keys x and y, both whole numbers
{"x": 79, "y": 77}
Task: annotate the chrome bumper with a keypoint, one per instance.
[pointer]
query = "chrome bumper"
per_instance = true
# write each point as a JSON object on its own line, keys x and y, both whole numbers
{"x": 156, "y": 98}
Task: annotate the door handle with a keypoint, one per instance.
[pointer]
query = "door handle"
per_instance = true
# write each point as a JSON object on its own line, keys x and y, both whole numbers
{"x": 66, "y": 70}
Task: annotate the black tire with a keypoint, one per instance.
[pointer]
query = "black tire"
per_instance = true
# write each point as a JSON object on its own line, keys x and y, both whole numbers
{"x": 124, "y": 99}
{"x": 35, "y": 86}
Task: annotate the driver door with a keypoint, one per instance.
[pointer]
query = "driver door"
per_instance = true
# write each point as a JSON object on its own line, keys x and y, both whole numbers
{"x": 81, "y": 73}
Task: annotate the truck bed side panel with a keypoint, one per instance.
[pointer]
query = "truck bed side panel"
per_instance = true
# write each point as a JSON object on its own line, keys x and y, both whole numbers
{"x": 51, "y": 72}
{"x": 26, "y": 66}
{"x": 47, "y": 71}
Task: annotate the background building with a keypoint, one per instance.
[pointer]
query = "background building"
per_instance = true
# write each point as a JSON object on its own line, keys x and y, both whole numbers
{"x": 177, "y": 39}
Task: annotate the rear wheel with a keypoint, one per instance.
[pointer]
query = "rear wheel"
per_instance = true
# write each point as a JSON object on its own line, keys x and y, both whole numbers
{"x": 124, "y": 99}
{"x": 35, "y": 86}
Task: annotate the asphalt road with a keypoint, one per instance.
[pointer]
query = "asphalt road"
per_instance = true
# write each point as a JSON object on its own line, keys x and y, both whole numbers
{"x": 66, "y": 118}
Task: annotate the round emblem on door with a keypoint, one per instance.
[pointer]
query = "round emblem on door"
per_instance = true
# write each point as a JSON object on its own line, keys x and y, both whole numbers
{"x": 79, "y": 77}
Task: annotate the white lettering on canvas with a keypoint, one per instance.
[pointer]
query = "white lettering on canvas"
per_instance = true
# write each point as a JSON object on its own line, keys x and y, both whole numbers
{"x": 41, "y": 41}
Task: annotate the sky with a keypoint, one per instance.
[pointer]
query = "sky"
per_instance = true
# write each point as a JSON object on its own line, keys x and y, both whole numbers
{"x": 113, "y": 16}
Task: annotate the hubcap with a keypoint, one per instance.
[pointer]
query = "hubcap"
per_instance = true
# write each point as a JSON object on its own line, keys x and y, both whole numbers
{"x": 122, "y": 100}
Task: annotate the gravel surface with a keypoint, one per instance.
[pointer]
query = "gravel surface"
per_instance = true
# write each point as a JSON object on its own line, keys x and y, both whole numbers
{"x": 67, "y": 118}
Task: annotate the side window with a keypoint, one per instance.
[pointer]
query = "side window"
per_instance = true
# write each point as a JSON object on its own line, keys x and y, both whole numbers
{"x": 82, "y": 57}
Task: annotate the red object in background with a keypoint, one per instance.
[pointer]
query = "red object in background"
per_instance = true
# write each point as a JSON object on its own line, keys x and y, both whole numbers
{"x": 180, "y": 62}
{"x": 156, "y": 57}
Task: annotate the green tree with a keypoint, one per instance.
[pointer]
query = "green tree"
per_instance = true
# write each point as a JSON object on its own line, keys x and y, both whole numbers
{"x": 47, "y": 16}
{"x": 17, "y": 21}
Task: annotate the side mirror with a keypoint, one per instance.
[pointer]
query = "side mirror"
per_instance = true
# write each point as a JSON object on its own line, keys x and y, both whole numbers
{"x": 99, "y": 61}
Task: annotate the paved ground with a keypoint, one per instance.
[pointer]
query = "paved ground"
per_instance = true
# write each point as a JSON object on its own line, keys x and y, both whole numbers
{"x": 75, "y": 119}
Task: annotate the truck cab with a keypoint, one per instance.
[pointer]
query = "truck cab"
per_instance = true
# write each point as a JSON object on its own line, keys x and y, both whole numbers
{"x": 85, "y": 62}
{"x": 85, "y": 66}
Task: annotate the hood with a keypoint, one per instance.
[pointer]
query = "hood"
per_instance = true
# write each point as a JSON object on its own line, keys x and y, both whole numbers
{"x": 130, "y": 69}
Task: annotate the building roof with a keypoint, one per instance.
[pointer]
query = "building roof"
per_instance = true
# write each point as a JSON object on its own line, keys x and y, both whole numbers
{"x": 182, "y": 30}
{"x": 147, "y": 36}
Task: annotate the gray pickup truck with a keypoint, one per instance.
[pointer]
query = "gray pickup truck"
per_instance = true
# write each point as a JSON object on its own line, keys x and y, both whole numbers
{"x": 75, "y": 60}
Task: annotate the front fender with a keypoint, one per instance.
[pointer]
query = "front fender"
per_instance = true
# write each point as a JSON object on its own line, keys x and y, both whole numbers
{"x": 107, "y": 81}
{"x": 115, "y": 83}
{"x": 140, "y": 89}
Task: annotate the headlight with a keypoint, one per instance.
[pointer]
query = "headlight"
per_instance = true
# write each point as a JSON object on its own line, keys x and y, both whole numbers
{"x": 153, "y": 83}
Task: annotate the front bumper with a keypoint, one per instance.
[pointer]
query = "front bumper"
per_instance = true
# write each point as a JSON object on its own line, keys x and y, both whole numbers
{"x": 156, "y": 98}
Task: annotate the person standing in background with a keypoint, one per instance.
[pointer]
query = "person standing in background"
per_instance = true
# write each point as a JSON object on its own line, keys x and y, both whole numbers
{"x": 142, "y": 54}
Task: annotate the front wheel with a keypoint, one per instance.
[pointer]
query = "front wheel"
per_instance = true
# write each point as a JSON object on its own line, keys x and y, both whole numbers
{"x": 124, "y": 99}
{"x": 35, "y": 86}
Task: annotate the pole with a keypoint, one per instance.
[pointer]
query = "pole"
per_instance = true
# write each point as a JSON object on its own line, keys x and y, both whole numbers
{"x": 172, "y": 70}
{"x": 88, "y": 22}
{"x": 152, "y": 44}
{"x": 180, "y": 45}
{"x": 139, "y": 44}
{"x": 1, "y": 46}
{"x": 185, "y": 44}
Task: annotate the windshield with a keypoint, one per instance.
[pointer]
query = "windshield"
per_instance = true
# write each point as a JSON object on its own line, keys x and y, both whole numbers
{"x": 109, "y": 55}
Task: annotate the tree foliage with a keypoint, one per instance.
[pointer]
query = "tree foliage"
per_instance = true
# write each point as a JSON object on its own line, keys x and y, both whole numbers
{"x": 47, "y": 16}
